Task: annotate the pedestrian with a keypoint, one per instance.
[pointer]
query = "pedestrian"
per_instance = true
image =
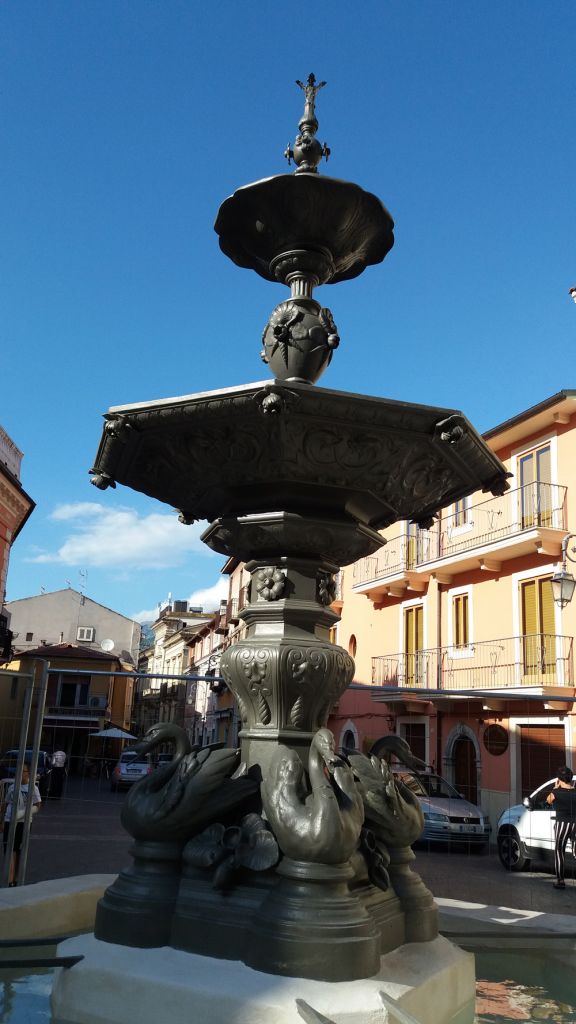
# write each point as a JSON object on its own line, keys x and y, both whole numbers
{"x": 23, "y": 798}
{"x": 58, "y": 773}
{"x": 563, "y": 799}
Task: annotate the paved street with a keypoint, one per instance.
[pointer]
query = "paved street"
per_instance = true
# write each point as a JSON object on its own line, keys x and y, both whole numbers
{"x": 81, "y": 834}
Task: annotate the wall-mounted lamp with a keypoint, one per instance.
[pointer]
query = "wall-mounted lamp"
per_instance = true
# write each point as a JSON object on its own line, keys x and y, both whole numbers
{"x": 563, "y": 582}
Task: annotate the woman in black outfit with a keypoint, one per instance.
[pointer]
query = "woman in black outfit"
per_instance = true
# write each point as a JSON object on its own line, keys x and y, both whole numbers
{"x": 563, "y": 799}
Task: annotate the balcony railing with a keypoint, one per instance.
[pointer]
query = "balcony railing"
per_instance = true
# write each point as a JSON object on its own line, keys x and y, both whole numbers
{"x": 79, "y": 711}
{"x": 531, "y": 507}
{"x": 537, "y": 659}
{"x": 236, "y": 604}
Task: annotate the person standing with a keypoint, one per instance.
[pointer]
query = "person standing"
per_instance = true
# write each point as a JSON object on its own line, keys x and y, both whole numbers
{"x": 563, "y": 799}
{"x": 26, "y": 792}
{"x": 58, "y": 773}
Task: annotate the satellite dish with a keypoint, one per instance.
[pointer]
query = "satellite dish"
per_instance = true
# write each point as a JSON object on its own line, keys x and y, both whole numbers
{"x": 107, "y": 645}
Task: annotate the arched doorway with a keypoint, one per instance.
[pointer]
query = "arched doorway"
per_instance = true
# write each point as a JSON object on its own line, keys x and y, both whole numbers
{"x": 348, "y": 741}
{"x": 465, "y": 768}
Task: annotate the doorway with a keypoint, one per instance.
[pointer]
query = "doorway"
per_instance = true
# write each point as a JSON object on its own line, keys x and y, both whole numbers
{"x": 465, "y": 771}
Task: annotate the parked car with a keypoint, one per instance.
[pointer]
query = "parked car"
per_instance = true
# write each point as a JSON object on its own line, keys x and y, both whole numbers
{"x": 448, "y": 816}
{"x": 129, "y": 769}
{"x": 526, "y": 831}
{"x": 8, "y": 768}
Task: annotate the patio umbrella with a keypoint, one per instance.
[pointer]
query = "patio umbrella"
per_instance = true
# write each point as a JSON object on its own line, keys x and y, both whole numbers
{"x": 115, "y": 734}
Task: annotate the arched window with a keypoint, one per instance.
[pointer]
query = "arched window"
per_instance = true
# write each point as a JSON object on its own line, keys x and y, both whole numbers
{"x": 349, "y": 740}
{"x": 352, "y": 646}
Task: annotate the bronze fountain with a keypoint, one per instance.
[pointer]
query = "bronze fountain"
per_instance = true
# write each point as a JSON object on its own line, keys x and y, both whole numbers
{"x": 286, "y": 855}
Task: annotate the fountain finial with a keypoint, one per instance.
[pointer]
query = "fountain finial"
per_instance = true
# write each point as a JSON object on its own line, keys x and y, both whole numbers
{"x": 307, "y": 152}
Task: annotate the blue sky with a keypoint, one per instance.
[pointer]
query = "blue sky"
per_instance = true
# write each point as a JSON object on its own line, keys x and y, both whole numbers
{"x": 125, "y": 124}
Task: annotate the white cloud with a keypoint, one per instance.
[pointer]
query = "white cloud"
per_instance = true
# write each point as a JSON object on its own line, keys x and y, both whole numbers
{"x": 208, "y": 598}
{"x": 121, "y": 537}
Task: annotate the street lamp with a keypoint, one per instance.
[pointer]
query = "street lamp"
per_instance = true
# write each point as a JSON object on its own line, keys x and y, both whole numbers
{"x": 563, "y": 583}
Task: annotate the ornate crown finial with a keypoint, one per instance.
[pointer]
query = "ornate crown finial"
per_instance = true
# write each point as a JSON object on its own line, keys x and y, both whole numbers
{"x": 307, "y": 152}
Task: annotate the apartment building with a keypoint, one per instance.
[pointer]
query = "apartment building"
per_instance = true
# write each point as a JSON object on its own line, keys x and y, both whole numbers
{"x": 158, "y": 697}
{"x": 459, "y": 645}
{"x": 68, "y": 616}
{"x": 211, "y": 704}
{"x": 15, "y": 508}
{"x": 84, "y": 695}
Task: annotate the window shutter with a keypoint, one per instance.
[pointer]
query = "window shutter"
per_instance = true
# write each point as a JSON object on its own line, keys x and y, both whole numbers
{"x": 529, "y": 626}
{"x": 460, "y": 613}
{"x": 544, "y": 466}
{"x": 547, "y": 627}
{"x": 413, "y": 641}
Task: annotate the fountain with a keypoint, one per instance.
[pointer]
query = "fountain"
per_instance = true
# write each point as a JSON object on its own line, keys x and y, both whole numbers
{"x": 275, "y": 883}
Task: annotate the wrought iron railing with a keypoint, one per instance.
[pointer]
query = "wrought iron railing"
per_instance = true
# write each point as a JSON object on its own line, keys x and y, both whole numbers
{"x": 533, "y": 660}
{"x": 78, "y": 711}
{"x": 533, "y": 506}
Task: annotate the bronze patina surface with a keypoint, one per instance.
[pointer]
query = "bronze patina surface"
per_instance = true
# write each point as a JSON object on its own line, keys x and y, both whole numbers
{"x": 286, "y": 854}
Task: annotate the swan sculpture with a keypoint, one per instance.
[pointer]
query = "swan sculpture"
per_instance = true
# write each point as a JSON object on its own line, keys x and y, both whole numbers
{"x": 322, "y": 823}
{"x": 390, "y": 806}
{"x": 389, "y": 746}
{"x": 176, "y": 800}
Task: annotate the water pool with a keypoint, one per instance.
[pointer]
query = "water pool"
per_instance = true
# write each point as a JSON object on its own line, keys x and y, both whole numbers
{"x": 510, "y": 988}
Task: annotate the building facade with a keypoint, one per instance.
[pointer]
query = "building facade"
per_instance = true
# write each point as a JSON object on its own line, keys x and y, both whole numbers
{"x": 15, "y": 508}
{"x": 160, "y": 698}
{"x": 67, "y": 616}
{"x": 459, "y": 646}
{"x": 84, "y": 695}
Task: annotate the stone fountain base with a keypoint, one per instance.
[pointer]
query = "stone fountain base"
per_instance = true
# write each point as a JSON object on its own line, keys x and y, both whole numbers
{"x": 420, "y": 983}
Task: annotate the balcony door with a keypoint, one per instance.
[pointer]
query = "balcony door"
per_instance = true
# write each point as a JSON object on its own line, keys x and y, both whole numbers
{"x": 413, "y": 645}
{"x": 538, "y": 630}
{"x": 536, "y": 488}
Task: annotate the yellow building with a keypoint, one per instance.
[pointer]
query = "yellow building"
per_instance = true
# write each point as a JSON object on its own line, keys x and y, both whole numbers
{"x": 79, "y": 701}
{"x": 459, "y": 646}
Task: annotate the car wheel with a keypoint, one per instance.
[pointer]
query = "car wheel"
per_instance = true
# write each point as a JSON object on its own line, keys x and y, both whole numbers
{"x": 511, "y": 852}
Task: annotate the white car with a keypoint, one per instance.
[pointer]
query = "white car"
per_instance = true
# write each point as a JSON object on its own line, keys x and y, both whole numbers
{"x": 526, "y": 831}
{"x": 130, "y": 769}
{"x": 448, "y": 816}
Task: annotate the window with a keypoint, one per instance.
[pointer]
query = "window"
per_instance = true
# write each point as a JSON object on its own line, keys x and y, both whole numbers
{"x": 413, "y": 641}
{"x": 29, "y": 637}
{"x": 85, "y": 633}
{"x": 538, "y": 627}
{"x": 535, "y": 495}
{"x": 73, "y": 691}
{"x": 460, "y": 515}
{"x": 417, "y": 545}
{"x": 460, "y": 620}
{"x": 349, "y": 741}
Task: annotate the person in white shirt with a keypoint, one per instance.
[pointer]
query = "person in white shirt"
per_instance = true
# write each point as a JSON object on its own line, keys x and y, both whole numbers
{"x": 25, "y": 793}
{"x": 58, "y": 773}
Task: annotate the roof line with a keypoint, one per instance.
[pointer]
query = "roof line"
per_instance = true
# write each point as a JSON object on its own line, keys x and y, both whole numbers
{"x": 64, "y": 590}
{"x": 532, "y": 411}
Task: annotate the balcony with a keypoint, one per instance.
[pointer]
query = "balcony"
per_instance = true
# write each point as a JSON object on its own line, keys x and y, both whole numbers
{"x": 525, "y": 521}
{"x": 77, "y": 711}
{"x": 536, "y": 660}
{"x": 235, "y": 606}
